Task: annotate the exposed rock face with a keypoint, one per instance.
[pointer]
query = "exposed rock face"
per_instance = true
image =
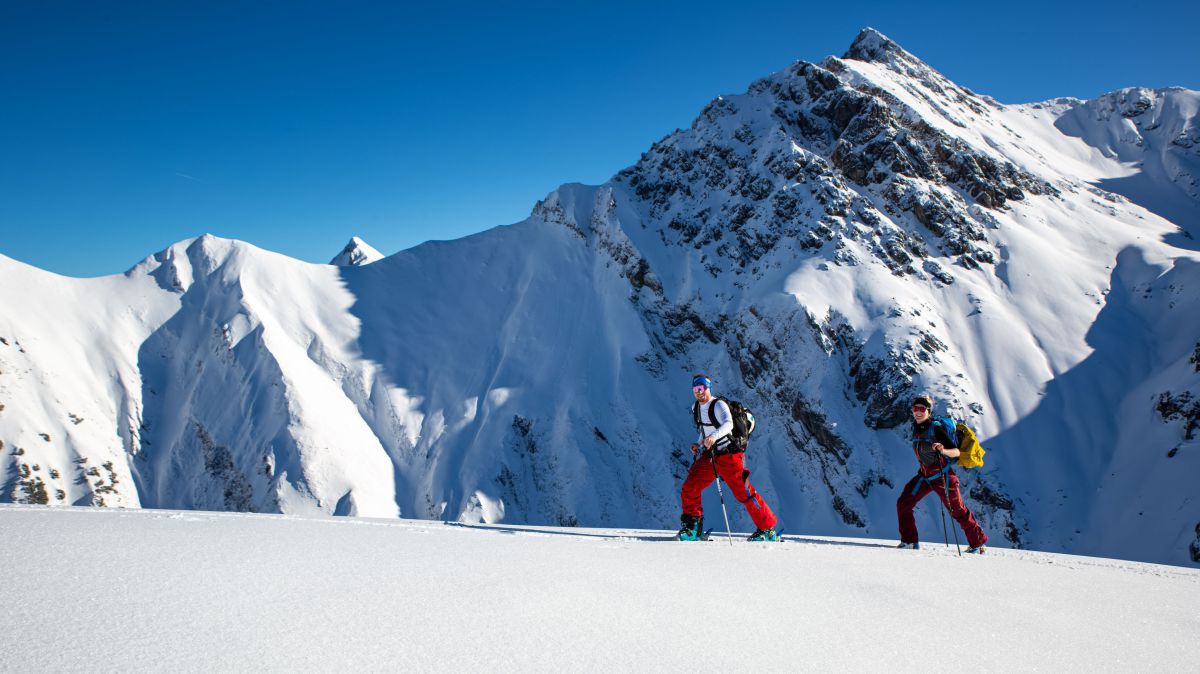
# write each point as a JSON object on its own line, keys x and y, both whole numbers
{"x": 1180, "y": 407}
{"x": 739, "y": 182}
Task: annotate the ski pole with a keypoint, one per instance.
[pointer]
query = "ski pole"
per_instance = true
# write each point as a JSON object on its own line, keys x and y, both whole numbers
{"x": 728, "y": 531}
{"x": 946, "y": 489}
{"x": 945, "y": 536}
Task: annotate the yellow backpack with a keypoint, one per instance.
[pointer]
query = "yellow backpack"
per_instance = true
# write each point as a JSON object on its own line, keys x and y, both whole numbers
{"x": 972, "y": 452}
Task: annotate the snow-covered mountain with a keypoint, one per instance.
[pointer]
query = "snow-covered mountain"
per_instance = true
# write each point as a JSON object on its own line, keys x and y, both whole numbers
{"x": 834, "y": 240}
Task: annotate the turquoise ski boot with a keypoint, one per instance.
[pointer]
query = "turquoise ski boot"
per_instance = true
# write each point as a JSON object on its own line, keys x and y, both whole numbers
{"x": 691, "y": 530}
{"x": 764, "y": 535}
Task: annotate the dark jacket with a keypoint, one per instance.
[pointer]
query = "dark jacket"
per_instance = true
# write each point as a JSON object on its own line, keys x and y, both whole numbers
{"x": 923, "y": 437}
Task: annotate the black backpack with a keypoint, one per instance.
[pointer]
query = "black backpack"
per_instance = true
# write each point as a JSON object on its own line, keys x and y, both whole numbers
{"x": 743, "y": 423}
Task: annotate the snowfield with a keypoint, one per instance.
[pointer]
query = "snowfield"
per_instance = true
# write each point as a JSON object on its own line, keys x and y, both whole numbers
{"x": 154, "y": 590}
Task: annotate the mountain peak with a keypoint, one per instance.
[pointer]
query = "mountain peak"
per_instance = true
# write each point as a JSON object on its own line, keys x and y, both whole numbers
{"x": 873, "y": 46}
{"x": 356, "y": 254}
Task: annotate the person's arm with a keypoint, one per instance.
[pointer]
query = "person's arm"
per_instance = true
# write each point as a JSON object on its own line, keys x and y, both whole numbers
{"x": 948, "y": 452}
{"x": 725, "y": 419}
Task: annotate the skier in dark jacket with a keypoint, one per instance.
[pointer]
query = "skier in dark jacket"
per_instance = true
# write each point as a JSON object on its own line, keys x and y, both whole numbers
{"x": 720, "y": 456}
{"x": 935, "y": 446}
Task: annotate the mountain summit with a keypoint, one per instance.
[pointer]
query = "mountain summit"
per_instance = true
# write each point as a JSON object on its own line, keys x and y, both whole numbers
{"x": 873, "y": 46}
{"x": 355, "y": 254}
{"x": 838, "y": 238}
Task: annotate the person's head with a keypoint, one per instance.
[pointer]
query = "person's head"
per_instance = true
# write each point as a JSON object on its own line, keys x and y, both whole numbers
{"x": 702, "y": 387}
{"x": 922, "y": 408}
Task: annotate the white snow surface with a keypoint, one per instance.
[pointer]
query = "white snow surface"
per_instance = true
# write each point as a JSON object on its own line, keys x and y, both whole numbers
{"x": 538, "y": 373}
{"x": 155, "y": 590}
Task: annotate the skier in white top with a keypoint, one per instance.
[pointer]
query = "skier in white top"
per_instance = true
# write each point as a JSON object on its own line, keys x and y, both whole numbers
{"x": 720, "y": 456}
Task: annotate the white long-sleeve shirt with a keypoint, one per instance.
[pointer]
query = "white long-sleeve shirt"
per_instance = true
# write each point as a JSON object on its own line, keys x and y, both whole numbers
{"x": 724, "y": 418}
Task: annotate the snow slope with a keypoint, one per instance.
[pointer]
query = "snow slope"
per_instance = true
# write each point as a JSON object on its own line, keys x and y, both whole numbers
{"x": 842, "y": 235}
{"x": 190, "y": 591}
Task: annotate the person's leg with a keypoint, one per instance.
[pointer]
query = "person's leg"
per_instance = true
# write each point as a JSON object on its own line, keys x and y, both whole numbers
{"x": 733, "y": 470}
{"x": 958, "y": 510}
{"x": 904, "y": 508}
{"x": 698, "y": 478}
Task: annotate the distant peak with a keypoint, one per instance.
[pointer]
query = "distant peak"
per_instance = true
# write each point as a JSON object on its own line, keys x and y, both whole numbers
{"x": 356, "y": 254}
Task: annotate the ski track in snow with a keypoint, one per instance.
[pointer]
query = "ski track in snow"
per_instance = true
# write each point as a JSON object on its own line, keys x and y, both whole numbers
{"x": 150, "y": 590}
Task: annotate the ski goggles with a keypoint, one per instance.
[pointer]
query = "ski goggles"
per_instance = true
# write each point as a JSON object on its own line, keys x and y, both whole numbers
{"x": 920, "y": 408}
{"x": 699, "y": 388}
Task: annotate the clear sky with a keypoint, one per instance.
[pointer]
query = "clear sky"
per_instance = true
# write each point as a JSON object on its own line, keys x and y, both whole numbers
{"x": 294, "y": 125}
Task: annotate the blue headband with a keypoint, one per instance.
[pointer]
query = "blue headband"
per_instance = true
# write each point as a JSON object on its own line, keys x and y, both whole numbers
{"x": 703, "y": 381}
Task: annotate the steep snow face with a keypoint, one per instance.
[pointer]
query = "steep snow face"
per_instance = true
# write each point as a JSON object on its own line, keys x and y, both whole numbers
{"x": 70, "y": 387}
{"x": 356, "y": 253}
{"x": 244, "y": 407}
{"x": 181, "y": 384}
{"x": 836, "y": 239}
{"x": 509, "y": 386}
{"x": 1154, "y": 138}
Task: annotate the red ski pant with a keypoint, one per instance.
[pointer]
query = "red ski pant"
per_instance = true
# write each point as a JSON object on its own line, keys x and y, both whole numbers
{"x": 736, "y": 476}
{"x": 953, "y": 502}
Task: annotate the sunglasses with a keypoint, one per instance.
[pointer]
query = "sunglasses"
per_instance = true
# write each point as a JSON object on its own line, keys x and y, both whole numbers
{"x": 920, "y": 408}
{"x": 700, "y": 389}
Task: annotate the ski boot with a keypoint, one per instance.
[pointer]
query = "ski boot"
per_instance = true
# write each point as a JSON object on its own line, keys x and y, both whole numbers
{"x": 976, "y": 551}
{"x": 692, "y": 528}
{"x": 764, "y": 535}
{"x": 909, "y": 546}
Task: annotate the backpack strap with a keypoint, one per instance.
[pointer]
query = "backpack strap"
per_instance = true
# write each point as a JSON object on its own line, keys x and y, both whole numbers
{"x": 712, "y": 415}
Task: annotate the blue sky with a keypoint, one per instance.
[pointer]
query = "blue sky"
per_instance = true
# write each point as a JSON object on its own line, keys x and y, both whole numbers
{"x": 128, "y": 126}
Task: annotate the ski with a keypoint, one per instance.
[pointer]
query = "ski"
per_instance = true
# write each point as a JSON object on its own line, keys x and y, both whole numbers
{"x": 707, "y": 536}
{"x": 743, "y": 539}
